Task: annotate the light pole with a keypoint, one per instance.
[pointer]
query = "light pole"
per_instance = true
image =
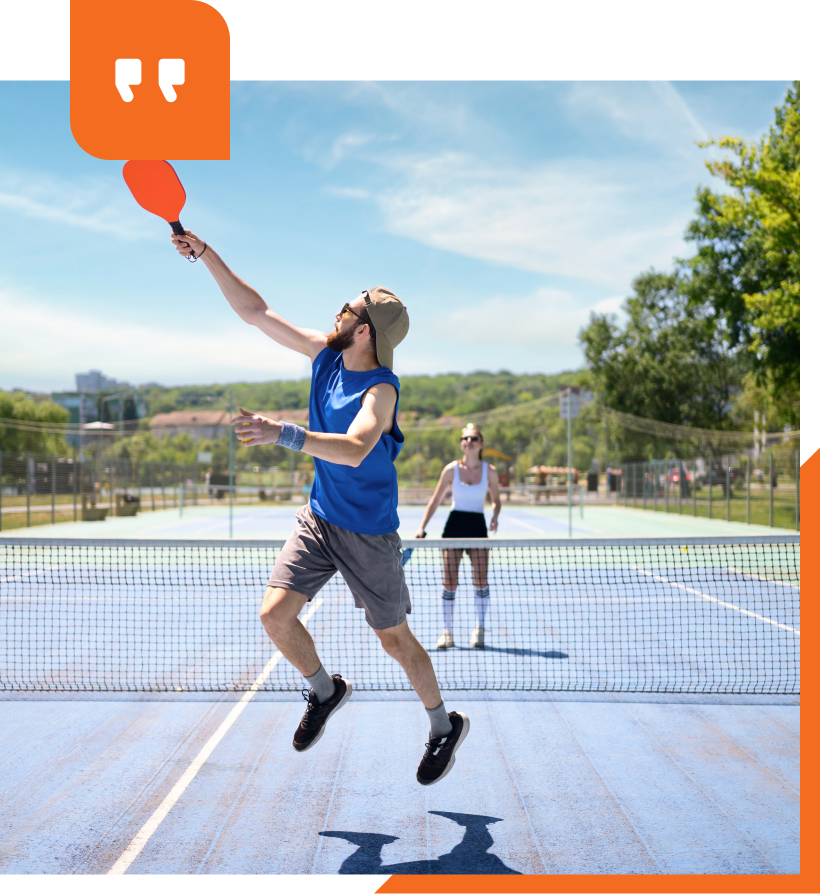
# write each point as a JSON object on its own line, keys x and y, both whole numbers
{"x": 230, "y": 464}
{"x": 569, "y": 408}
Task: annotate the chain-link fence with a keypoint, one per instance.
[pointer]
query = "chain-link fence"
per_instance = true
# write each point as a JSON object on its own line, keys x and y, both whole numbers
{"x": 758, "y": 488}
{"x": 616, "y": 457}
{"x": 41, "y": 489}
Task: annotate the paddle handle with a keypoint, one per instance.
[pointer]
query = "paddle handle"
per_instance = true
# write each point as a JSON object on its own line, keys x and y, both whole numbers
{"x": 176, "y": 226}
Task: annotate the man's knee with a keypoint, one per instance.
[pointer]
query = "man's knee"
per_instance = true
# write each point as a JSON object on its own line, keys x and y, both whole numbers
{"x": 280, "y": 608}
{"x": 396, "y": 640}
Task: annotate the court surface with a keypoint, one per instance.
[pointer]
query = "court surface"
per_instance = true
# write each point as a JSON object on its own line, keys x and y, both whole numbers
{"x": 559, "y": 784}
{"x": 276, "y": 523}
{"x": 546, "y": 782}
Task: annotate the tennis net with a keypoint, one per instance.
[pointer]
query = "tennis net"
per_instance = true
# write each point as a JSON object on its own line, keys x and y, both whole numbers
{"x": 660, "y": 615}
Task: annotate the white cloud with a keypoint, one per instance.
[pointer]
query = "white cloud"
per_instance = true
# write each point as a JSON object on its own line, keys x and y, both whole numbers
{"x": 100, "y": 205}
{"x": 341, "y": 148}
{"x": 41, "y": 345}
{"x": 550, "y": 317}
{"x": 653, "y": 112}
{"x": 609, "y": 306}
{"x": 591, "y": 221}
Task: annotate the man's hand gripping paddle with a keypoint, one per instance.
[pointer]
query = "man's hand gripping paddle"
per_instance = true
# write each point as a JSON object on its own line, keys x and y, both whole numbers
{"x": 156, "y": 187}
{"x": 408, "y": 552}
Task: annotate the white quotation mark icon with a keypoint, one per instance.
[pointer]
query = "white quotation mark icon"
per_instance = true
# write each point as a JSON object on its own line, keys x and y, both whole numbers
{"x": 128, "y": 73}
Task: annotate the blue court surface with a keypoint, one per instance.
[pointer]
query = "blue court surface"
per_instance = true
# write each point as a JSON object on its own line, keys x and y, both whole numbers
{"x": 574, "y": 784}
{"x": 560, "y": 779}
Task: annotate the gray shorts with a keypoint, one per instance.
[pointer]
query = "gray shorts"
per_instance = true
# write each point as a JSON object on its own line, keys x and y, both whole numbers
{"x": 369, "y": 563}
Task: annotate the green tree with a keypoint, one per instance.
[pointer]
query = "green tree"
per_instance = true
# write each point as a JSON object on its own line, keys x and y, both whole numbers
{"x": 16, "y": 437}
{"x": 747, "y": 265}
{"x": 669, "y": 361}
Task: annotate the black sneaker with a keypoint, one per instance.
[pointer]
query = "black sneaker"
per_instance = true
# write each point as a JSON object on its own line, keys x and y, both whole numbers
{"x": 440, "y": 756}
{"x": 315, "y": 718}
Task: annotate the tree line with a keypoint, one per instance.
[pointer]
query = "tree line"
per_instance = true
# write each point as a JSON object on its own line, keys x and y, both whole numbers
{"x": 718, "y": 337}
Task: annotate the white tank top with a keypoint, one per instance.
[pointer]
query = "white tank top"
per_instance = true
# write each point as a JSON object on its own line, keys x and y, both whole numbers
{"x": 469, "y": 497}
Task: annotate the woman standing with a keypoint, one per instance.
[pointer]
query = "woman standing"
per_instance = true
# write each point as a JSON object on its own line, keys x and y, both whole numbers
{"x": 469, "y": 478}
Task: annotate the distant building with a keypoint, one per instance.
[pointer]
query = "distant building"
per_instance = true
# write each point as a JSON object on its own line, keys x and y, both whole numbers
{"x": 95, "y": 391}
{"x": 209, "y": 424}
{"x": 94, "y": 381}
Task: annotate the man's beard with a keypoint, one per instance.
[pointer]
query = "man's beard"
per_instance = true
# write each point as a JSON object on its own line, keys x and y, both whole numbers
{"x": 341, "y": 340}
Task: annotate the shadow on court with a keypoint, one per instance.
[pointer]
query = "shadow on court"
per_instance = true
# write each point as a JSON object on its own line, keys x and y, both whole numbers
{"x": 522, "y": 653}
{"x": 469, "y": 856}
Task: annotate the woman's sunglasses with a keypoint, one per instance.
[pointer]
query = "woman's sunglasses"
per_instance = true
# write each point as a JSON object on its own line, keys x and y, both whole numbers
{"x": 470, "y": 438}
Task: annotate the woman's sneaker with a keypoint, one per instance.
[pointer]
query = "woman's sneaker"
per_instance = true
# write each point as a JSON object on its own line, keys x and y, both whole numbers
{"x": 315, "y": 718}
{"x": 440, "y": 755}
{"x": 445, "y": 641}
{"x": 477, "y": 637}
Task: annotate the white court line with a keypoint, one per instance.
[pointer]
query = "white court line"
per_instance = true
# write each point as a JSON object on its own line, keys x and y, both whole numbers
{"x": 523, "y": 524}
{"x": 6, "y": 580}
{"x": 142, "y": 837}
{"x": 771, "y": 580}
{"x": 736, "y": 608}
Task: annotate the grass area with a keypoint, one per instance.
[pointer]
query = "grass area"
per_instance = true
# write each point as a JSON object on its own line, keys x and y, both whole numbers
{"x": 39, "y": 516}
{"x": 756, "y": 512}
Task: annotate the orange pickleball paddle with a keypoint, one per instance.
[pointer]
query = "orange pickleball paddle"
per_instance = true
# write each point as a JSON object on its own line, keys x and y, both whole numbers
{"x": 157, "y": 188}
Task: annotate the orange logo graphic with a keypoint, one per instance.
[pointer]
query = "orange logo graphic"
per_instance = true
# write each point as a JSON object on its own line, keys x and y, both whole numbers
{"x": 150, "y": 80}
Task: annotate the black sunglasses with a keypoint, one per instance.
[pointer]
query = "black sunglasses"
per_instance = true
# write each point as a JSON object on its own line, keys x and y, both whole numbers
{"x": 347, "y": 309}
{"x": 471, "y": 438}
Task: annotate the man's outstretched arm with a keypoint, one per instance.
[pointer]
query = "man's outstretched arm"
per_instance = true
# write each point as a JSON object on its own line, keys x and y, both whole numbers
{"x": 349, "y": 449}
{"x": 249, "y": 304}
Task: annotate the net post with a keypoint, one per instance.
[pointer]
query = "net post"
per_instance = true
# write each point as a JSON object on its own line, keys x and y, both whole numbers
{"x": 53, "y": 485}
{"x": 796, "y": 489}
{"x": 771, "y": 489}
{"x": 748, "y": 490}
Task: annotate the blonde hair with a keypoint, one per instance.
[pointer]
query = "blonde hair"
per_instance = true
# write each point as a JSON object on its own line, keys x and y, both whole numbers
{"x": 469, "y": 427}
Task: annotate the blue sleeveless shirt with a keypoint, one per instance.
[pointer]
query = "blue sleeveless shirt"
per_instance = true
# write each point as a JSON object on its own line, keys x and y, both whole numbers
{"x": 363, "y": 499}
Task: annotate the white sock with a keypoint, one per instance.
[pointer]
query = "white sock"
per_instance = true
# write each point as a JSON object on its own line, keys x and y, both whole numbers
{"x": 448, "y": 604}
{"x": 482, "y": 600}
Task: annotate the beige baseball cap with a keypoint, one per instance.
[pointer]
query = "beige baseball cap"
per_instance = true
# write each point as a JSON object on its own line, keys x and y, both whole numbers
{"x": 390, "y": 320}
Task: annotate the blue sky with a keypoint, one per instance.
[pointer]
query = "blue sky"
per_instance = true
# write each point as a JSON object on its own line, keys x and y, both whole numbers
{"x": 500, "y": 212}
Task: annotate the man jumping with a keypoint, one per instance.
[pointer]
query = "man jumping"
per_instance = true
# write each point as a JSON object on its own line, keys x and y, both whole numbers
{"x": 350, "y": 524}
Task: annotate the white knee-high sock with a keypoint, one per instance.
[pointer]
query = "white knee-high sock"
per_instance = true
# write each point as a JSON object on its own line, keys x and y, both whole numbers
{"x": 482, "y": 600}
{"x": 448, "y": 603}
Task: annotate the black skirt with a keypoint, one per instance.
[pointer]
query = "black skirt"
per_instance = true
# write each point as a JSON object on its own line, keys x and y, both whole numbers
{"x": 461, "y": 525}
